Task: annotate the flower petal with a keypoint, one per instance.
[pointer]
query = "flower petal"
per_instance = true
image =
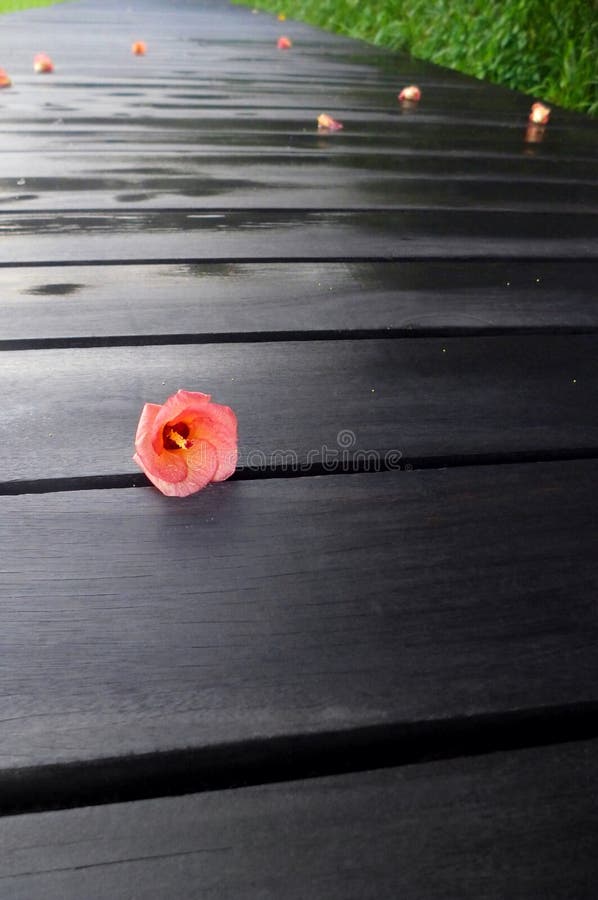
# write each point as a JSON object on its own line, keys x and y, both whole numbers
{"x": 166, "y": 465}
{"x": 202, "y": 463}
{"x": 198, "y": 473}
{"x": 218, "y": 425}
{"x": 284, "y": 43}
{"x": 139, "y": 48}
{"x": 4, "y": 79}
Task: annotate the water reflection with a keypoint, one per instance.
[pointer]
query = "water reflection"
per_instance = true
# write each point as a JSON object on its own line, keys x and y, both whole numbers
{"x": 54, "y": 290}
{"x": 534, "y": 134}
{"x": 203, "y": 270}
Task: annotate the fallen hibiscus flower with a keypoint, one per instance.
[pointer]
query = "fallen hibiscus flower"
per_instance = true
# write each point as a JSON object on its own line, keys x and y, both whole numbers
{"x": 326, "y": 122}
{"x": 42, "y": 63}
{"x": 411, "y": 92}
{"x": 539, "y": 114}
{"x": 186, "y": 443}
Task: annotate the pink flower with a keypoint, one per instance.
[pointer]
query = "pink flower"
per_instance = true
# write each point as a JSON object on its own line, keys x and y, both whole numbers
{"x": 42, "y": 63}
{"x": 186, "y": 443}
{"x": 326, "y": 121}
{"x": 4, "y": 79}
{"x": 539, "y": 114}
{"x": 411, "y": 92}
{"x": 284, "y": 43}
{"x": 139, "y": 48}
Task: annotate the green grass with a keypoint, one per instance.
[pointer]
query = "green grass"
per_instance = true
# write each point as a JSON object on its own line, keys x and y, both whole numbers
{"x": 548, "y": 48}
{"x": 8, "y": 6}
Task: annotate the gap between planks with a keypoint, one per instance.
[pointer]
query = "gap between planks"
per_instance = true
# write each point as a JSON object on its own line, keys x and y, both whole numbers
{"x": 276, "y": 260}
{"x": 306, "y": 470}
{"x": 271, "y": 337}
{"x": 288, "y": 758}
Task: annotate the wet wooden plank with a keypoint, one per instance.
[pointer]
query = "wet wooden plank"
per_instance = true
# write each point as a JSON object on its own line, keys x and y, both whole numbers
{"x": 136, "y": 235}
{"x": 131, "y": 623}
{"x": 44, "y": 303}
{"x": 74, "y": 411}
{"x": 510, "y": 824}
{"x": 441, "y": 137}
{"x": 335, "y": 155}
{"x": 315, "y": 185}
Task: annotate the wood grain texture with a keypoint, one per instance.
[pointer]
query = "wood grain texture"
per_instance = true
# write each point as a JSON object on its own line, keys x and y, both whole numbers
{"x": 75, "y": 411}
{"x": 515, "y": 825}
{"x": 139, "y": 169}
{"x": 276, "y": 234}
{"x": 329, "y": 174}
{"x": 107, "y": 301}
{"x": 262, "y": 134}
{"x": 295, "y": 184}
{"x": 129, "y": 623}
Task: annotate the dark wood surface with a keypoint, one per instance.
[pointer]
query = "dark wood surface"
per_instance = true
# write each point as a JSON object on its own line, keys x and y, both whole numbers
{"x": 279, "y": 607}
{"x": 516, "y": 825}
{"x": 138, "y": 235}
{"x": 214, "y": 301}
{"x": 423, "y": 399}
{"x": 417, "y": 290}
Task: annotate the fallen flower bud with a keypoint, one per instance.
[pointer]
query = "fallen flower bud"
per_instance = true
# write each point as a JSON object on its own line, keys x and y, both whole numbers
{"x": 139, "y": 48}
{"x": 4, "y": 79}
{"x": 411, "y": 92}
{"x": 42, "y": 63}
{"x": 284, "y": 43}
{"x": 185, "y": 443}
{"x": 281, "y": 17}
{"x": 326, "y": 121}
{"x": 539, "y": 114}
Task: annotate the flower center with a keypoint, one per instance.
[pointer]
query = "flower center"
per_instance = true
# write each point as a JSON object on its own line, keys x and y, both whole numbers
{"x": 175, "y": 437}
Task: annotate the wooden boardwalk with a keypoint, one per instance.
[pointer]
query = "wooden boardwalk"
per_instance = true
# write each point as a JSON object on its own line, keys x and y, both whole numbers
{"x": 367, "y": 665}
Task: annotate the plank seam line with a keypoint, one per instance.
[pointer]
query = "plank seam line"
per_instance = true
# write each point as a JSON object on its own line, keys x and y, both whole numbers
{"x": 281, "y": 759}
{"x": 294, "y": 260}
{"x": 390, "y": 461}
{"x": 277, "y": 211}
{"x": 356, "y": 150}
{"x": 257, "y": 337}
{"x": 151, "y": 857}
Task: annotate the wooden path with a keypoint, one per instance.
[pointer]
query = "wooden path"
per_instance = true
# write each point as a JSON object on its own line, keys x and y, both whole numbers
{"x": 367, "y": 665}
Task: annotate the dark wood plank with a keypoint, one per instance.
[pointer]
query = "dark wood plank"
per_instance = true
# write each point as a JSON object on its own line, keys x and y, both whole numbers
{"x": 439, "y": 139}
{"x": 293, "y": 184}
{"x": 159, "y": 169}
{"x": 44, "y": 303}
{"x": 159, "y": 235}
{"x": 132, "y": 623}
{"x": 73, "y": 412}
{"x": 515, "y": 825}
{"x": 442, "y": 140}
